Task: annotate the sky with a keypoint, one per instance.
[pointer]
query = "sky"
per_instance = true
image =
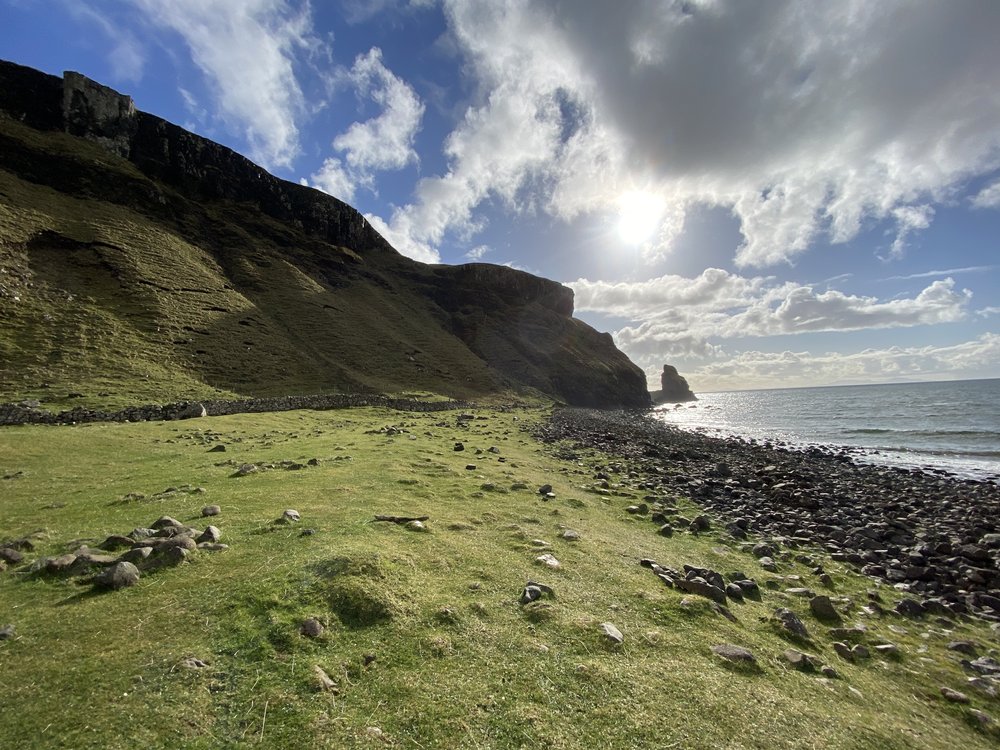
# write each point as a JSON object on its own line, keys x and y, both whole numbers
{"x": 762, "y": 193}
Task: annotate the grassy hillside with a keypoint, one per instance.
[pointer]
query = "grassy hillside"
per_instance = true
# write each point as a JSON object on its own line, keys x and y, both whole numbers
{"x": 424, "y": 641}
{"x": 117, "y": 288}
{"x": 100, "y": 297}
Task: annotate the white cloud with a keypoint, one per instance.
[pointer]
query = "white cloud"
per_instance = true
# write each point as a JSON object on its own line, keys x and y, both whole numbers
{"x": 988, "y": 197}
{"x": 381, "y": 143}
{"x": 478, "y": 253}
{"x": 979, "y": 357}
{"x": 404, "y": 242}
{"x": 909, "y": 219}
{"x": 386, "y": 141}
{"x": 333, "y": 179}
{"x": 946, "y": 272}
{"x": 674, "y": 311}
{"x": 807, "y": 121}
{"x": 247, "y": 50}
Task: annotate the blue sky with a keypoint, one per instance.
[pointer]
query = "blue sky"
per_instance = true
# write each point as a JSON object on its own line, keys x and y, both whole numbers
{"x": 764, "y": 194}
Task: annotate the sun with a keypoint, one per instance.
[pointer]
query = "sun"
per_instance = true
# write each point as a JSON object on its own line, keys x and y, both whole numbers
{"x": 639, "y": 215}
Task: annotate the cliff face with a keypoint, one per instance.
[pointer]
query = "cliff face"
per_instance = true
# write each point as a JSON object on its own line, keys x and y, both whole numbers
{"x": 158, "y": 264}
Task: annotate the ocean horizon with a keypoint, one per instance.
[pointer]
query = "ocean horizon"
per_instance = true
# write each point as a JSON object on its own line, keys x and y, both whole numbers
{"x": 944, "y": 425}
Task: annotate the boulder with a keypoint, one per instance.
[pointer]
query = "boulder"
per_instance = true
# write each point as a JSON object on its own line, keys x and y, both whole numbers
{"x": 118, "y": 576}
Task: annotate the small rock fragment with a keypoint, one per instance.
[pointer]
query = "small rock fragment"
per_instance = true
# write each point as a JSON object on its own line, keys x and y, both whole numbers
{"x": 843, "y": 650}
{"x": 954, "y": 695}
{"x": 164, "y": 521}
{"x": 311, "y": 628}
{"x": 322, "y": 680}
{"x": 290, "y": 516}
{"x": 6, "y": 632}
{"x": 790, "y": 622}
{"x": 570, "y": 535}
{"x": 415, "y": 526}
{"x": 823, "y": 608}
{"x": 549, "y": 561}
{"x": 213, "y": 547}
{"x": 118, "y": 576}
{"x": 210, "y": 510}
{"x": 211, "y": 534}
{"x": 732, "y": 653}
{"x": 192, "y": 662}
{"x": 613, "y": 634}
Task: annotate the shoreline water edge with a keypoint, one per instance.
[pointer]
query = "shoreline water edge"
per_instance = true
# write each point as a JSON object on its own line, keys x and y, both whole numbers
{"x": 941, "y": 427}
{"x": 924, "y": 532}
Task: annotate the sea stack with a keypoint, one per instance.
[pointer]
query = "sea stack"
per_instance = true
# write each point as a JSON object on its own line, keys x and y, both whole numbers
{"x": 674, "y": 388}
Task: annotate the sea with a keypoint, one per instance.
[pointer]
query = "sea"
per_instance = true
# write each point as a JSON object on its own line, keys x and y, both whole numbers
{"x": 951, "y": 426}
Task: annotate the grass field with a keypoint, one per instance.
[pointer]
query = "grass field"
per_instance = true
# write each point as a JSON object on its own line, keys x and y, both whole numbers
{"x": 425, "y": 642}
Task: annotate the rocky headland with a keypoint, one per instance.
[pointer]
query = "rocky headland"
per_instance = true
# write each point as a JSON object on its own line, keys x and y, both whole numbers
{"x": 932, "y": 535}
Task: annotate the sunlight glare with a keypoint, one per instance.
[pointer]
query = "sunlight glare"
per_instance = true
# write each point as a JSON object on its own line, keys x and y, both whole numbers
{"x": 639, "y": 215}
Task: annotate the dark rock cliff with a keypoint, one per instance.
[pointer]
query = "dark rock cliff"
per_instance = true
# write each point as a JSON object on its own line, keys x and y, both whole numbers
{"x": 488, "y": 326}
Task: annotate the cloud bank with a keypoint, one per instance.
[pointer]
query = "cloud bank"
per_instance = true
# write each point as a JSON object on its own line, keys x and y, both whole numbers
{"x": 805, "y": 120}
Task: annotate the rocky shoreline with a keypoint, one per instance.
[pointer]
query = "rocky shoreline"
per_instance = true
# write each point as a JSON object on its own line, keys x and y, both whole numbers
{"x": 929, "y": 534}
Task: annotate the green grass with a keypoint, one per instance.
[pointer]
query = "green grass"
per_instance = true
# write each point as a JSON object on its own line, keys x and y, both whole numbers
{"x": 457, "y": 662}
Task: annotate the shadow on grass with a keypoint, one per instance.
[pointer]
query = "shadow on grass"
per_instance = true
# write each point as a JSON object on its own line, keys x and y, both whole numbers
{"x": 82, "y": 596}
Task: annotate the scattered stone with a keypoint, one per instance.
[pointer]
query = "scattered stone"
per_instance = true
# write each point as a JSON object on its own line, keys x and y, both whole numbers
{"x": 246, "y": 469}
{"x": 60, "y": 564}
{"x": 459, "y": 446}
{"x": 136, "y": 555}
{"x": 323, "y": 682}
{"x": 210, "y": 510}
{"x": 665, "y": 530}
{"x": 823, "y": 608}
{"x": 415, "y": 526}
{"x": 118, "y": 576}
{"x": 983, "y": 718}
{"x": 965, "y": 647}
{"x": 549, "y": 561}
{"x": 799, "y": 660}
{"x": 910, "y": 608}
{"x": 887, "y": 649}
{"x": 290, "y": 516}
{"x": 843, "y": 651}
{"x": 213, "y": 547}
{"x": 734, "y": 592}
{"x": 570, "y": 536}
{"x": 193, "y": 662}
{"x": 311, "y": 628}
{"x": 470, "y": 467}
{"x": 790, "y": 622}
{"x": 701, "y": 587}
{"x": 613, "y": 634}
{"x": 800, "y": 591}
{"x": 6, "y": 632}
{"x": 218, "y": 448}
{"x": 768, "y": 564}
{"x": 860, "y": 651}
{"x": 170, "y": 557}
{"x": 954, "y": 695}
{"x": 545, "y": 489}
{"x": 115, "y": 542}
{"x": 13, "y": 556}
{"x": 827, "y": 671}
{"x": 211, "y": 534}
{"x": 165, "y": 521}
{"x": 736, "y": 654}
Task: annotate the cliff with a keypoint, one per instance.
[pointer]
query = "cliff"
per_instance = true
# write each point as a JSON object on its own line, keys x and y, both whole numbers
{"x": 141, "y": 262}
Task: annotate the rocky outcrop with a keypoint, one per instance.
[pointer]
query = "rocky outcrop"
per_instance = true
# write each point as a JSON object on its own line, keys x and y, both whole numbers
{"x": 287, "y": 287}
{"x": 673, "y": 388}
